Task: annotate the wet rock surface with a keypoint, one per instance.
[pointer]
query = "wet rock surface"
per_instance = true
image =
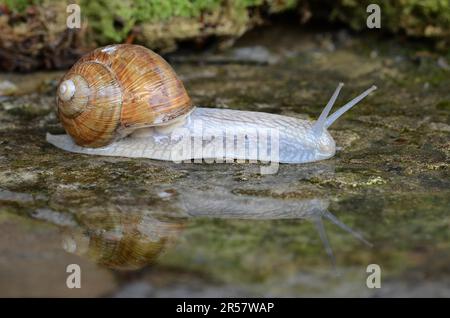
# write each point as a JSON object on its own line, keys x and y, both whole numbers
{"x": 141, "y": 227}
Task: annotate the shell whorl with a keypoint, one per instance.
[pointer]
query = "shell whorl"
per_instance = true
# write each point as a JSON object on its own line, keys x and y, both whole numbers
{"x": 66, "y": 90}
{"x": 91, "y": 116}
{"x": 119, "y": 88}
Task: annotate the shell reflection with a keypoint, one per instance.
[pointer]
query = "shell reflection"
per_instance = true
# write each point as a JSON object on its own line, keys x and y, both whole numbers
{"x": 124, "y": 241}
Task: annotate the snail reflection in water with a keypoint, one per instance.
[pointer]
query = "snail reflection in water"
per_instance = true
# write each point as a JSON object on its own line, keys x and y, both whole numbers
{"x": 129, "y": 241}
{"x": 125, "y": 100}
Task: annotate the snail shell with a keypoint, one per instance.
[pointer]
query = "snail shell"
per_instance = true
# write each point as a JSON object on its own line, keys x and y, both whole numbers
{"x": 116, "y": 89}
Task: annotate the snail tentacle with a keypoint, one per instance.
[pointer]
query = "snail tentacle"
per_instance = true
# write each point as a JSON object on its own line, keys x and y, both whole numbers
{"x": 320, "y": 123}
{"x": 346, "y": 107}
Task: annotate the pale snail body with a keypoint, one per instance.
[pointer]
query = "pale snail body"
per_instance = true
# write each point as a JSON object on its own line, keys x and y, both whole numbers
{"x": 154, "y": 144}
{"x": 134, "y": 127}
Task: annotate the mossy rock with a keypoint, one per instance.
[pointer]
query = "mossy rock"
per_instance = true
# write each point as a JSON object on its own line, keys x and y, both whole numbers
{"x": 37, "y": 37}
{"x": 35, "y": 34}
{"x": 415, "y": 18}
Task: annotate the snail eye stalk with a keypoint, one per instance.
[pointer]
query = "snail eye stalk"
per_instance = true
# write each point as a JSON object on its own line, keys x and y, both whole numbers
{"x": 346, "y": 107}
{"x": 320, "y": 123}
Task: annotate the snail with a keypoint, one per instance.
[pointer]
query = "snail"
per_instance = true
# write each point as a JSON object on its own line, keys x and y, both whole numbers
{"x": 125, "y": 100}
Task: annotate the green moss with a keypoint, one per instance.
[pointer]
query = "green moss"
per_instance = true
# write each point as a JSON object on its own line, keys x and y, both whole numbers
{"x": 19, "y": 5}
{"x": 414, "y": 17}
{"x": 113, "y": 20}
{"x": 443, "y": 105}
{"x": 245, "y": 251}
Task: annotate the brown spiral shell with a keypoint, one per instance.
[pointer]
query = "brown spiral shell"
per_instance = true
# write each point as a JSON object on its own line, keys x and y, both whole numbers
{"x": 117, "y": 89}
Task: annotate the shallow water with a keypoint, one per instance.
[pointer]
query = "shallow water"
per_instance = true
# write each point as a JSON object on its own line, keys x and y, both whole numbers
{"x": 146, "y": 228}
